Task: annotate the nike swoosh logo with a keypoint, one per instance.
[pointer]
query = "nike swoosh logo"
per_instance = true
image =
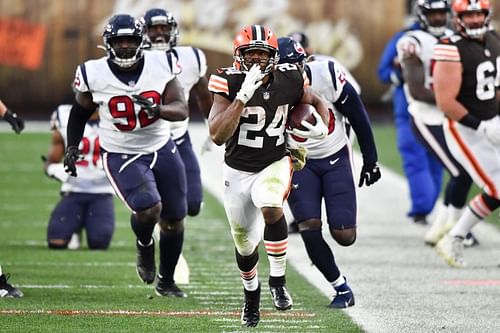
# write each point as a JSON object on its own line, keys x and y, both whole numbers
{"x": 295, "y": 186}
{"x": 332, "y": 162}
{"x": 343, "y": 101}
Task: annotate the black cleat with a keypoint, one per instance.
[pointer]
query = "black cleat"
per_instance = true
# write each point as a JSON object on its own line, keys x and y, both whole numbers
{"x": 250, "y": 314}
{"x": 7, "y": 290}
{"x": 145, "y": 263}
{"x": 420, "y": 219}
{"x": 167, "y": 289}
{"x": 281, "y": 298}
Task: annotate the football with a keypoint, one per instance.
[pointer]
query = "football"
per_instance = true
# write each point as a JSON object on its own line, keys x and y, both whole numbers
{"x": 299, "y": 113}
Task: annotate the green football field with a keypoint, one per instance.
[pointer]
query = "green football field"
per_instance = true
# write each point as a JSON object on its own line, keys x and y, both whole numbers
{"x": 98, "y": 291}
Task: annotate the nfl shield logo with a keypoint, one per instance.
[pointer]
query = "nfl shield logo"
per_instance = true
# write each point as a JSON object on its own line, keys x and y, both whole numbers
{"x": 266, "y": 95}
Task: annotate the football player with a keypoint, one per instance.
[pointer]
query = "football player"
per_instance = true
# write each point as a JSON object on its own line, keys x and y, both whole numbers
{"x": 466, "y": 79}
{"x": 162, "y": 33}
{"x": 6, "y": 289}
{"x": 415, "y": 50}
{"x": 327, "y": 173}
{"x": 251, "y": 103}
{"x": 423, "y": 171}
{"x": 87, "y": 200}
{"x": 136, "y": 93}
{"x": 12, "y": 118}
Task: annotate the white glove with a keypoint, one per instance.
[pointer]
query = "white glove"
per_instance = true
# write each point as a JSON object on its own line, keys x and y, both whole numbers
{"x": 317, "y": 131}
{"x": 253, "y": 80}
{"x": 490, "y": 129}
{"x": 56, "y": 171}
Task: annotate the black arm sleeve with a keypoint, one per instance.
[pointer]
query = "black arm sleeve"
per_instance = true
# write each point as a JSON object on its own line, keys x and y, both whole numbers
{"x": 76, "y": 123}
{"x": 351, "y": 106}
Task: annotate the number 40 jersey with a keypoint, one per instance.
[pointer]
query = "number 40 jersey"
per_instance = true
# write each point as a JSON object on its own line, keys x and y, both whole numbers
{"x": 259, "y": 139}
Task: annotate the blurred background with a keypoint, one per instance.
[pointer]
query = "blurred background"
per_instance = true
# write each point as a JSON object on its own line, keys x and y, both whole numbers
{"x": 43, "y": 41}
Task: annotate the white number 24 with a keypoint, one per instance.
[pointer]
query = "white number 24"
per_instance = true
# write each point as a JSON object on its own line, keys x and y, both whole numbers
{"x": 276, "y": 127}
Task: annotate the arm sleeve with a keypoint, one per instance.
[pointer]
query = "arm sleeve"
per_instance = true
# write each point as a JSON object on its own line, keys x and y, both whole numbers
{"x": 76, "y": 124}
{"x": 351, "y": 106}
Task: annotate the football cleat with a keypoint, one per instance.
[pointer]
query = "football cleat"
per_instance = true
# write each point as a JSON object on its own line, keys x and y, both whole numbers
{"x": 168, "y": 289}
{"x": 436, "y": 232}
{"x": 250, "y": 314}
{"x": 281, "y": 298}
{"x": 470, "y": 240}
{"x": 420, "y": 219}
{"x": 344, "y": 297}
{"x": 7, "y": 290}
{"x": 145, "y": 262}
{"x": 452, "y": 250}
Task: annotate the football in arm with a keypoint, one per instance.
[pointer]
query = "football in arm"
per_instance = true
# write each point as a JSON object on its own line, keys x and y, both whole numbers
{"x": 299, "y": 113}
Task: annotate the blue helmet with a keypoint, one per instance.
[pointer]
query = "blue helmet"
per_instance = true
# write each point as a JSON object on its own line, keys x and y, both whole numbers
{"x": 123, "y": 26}
{"x": 165, "y": 39}
{"x": 291, "y": 51}
{"x": 425, "y": 7}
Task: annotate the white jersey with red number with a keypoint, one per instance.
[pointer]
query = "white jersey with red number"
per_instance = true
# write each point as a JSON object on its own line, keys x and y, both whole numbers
{"x": 124, "y": 126}
{"x": 349, "y": 76}
{"x": 91, "y": 177}
{"x": 192, "y": 64}
{"x": 327, "y": 79}
{"x": 420, "y": 43}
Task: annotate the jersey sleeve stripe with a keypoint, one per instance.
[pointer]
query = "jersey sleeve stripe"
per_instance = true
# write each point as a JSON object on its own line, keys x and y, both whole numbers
{"x": 446, "y": 53}
{"x": 218, "y": 84}
{"x": 197, "y": 58}
{"x": 331, "y": 68}
{"x": 83, "y": 70}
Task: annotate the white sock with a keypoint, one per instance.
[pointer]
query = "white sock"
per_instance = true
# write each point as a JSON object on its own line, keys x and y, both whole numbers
{"x": 340, "y": 281}
{"x": 466, "y": 222}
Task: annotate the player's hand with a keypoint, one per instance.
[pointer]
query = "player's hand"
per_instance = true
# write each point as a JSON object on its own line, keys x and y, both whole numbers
{"x": 13, "y": 119}
{"x": 298, "y": 156}
{"x": 253, "y": 80}
{"x": 370, "y": 173}
{"x": 317, "y": 131}
{"x": 151, "y": 108}
{"x": 70, "y": 158}
{"x": 207, "y": 145}
{"x": 490, "y": 129}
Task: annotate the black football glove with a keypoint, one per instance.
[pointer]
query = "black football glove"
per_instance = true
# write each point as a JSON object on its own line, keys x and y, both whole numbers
{"x": 370, "y": 173}
{"x": 70, "y": 158}
{"x": 14, "y": 121}
{"x": 152, "y": 109}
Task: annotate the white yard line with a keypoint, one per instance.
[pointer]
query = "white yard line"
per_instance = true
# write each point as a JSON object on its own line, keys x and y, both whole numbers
{"x": 400, "y": 285}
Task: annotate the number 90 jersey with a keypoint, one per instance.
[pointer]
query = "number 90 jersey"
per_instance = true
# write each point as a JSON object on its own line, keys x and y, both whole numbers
{"x": 124, "y": 127}
{"x": 259, "y": 139}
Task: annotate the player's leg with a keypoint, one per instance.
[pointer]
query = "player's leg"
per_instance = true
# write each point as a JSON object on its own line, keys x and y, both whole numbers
{"x": 134, "y": 183}
{"x": 171, "y": 183}
{"x": 246, "y": 230}
{"x": 193, "y": 176}
{"x": 99, "y": 221}
{"x": 66, "y": 219}
{"x": 270, "y": 189}
{"x": 341, "y": 209}
{"x": 481, "y": 159}
{"x": 415, "y": 159}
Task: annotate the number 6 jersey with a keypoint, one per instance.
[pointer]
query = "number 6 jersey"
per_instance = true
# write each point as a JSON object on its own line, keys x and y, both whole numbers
{"x": 124, "y": 127}
{"x": 481, "y": 76}
{"x": 259, "y": 139}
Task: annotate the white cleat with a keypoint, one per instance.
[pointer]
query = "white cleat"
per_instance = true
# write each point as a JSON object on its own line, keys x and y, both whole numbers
{"x": 74, "y": 242}
{"x": 437, "y": 230}
{"x": 451, "y": 248}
